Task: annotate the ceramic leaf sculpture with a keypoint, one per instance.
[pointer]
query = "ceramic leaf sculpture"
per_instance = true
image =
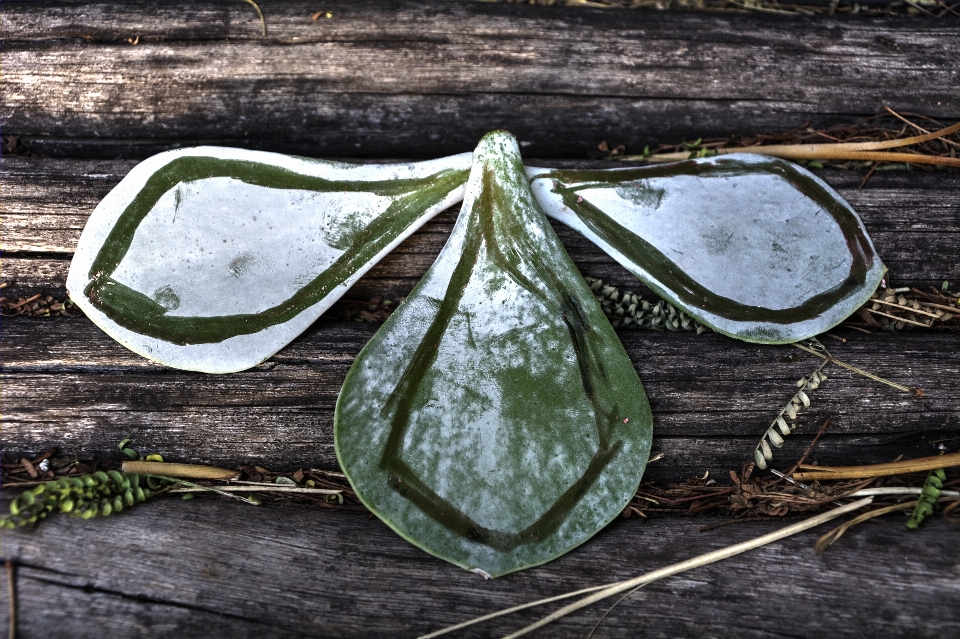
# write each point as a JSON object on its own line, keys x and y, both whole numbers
{"x": 756, "y": 248}
{"x": 495, "y": 419}
{"x": 213, "y": 259}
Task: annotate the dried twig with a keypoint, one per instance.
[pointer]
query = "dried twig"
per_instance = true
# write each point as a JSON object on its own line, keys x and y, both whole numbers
{"x": 827, "y": 540}
{"x": 690, "y": 564}
{"x": 809, "y": 450}
{"x": 262, "y": 487}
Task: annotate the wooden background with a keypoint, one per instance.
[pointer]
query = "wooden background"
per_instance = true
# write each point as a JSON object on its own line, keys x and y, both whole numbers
{"x": 89, "y": 88}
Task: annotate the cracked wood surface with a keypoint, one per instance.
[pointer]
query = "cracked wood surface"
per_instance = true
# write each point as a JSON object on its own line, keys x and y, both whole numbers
{"x": 208, "y": 569}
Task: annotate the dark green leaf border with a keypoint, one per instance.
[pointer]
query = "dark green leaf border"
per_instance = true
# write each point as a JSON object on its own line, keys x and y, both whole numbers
{"x": 139, "y": 313}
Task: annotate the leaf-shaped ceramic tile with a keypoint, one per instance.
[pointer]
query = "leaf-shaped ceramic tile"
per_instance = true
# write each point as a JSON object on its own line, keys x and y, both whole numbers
{"x": 754, "y": 247}
{"x": 495, "y": 420}
{"x": 212, "y": 259}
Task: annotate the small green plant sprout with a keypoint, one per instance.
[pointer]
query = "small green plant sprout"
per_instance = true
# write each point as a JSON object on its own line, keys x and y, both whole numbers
{"x": 780, "y": 427}
{"x": 928, "y": 498}
{"x": 495, "y": 419}
{"x": 85, "y": 496}
{"x": 134, "y": 455}
{"x": 127, "y": 450}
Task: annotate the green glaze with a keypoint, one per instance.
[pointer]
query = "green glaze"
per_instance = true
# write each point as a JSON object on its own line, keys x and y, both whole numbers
{"x": 144, "y": 315}
{"x": 495, "y": 420}
{"x": 808, "y": 302}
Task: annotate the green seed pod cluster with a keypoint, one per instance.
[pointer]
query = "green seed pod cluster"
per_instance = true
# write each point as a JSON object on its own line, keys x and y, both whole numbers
{"x": 928, "y": 498}
{"x": 85, "y": 496}
{"x": 632, "y": 311}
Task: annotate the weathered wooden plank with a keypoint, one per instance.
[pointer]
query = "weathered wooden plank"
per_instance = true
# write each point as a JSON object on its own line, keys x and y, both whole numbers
{"x": 68, "y": 385}
{"x": 914, "y": 219}
{"x": 35, "y": 274}
{"x": 408, "y": 79}
{"x": 426, "y": 126}
{"x": 415, "y": 80}
{"x": 208, "y": 568}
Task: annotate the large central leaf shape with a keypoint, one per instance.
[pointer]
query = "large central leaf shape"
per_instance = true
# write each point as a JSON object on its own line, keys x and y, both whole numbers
{"x": 495, "y": 420}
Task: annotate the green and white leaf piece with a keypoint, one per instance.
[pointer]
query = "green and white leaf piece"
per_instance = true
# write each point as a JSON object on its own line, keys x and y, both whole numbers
{"x": 756, "y": 248}
{"x": 213, "y": 259}
{"x": 495, "y": 419}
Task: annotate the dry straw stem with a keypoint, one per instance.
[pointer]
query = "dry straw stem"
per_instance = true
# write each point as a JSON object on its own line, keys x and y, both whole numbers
{"x": 683, "y": 566}
{"x": 821, "y": 473}
{"x": 864, "y": 151}
{"x": 264, "y": 488}
{"x": 900, "y": 491}
{"x": 11, "y": 599}
{"x": 180, "y": 471}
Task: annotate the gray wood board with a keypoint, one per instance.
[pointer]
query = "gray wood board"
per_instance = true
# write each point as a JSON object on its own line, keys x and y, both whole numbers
{"x": 426, "y": 79}
{"x": 68, "y": 385}
{"x": 913, "y": 218}
{"x": 209, "y": 569}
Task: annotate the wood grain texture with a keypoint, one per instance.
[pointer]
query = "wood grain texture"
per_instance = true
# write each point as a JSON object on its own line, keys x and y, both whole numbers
{"x": 68, "y": 385}
{"x": 205, "y": 568}
{"x": 913, "y": 218}
{"x": 404, "y": 79}
{"x": 427, "y": 79}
